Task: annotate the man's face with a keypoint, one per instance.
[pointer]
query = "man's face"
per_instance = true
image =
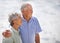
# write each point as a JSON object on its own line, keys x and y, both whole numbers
{"x": 27, "y": 11}
{"x": 18, "y": 21}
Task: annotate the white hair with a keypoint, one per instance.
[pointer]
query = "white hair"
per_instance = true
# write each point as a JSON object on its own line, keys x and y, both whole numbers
{"x": 13, "y": 16}
{"x": 24, "y": 5}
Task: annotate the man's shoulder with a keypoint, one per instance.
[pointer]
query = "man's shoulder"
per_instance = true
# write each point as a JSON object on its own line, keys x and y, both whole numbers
{"x": 34, "y": 19}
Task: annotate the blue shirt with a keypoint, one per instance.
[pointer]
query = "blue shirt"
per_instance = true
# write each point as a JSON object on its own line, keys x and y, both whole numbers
{"x": 29, "y": 29}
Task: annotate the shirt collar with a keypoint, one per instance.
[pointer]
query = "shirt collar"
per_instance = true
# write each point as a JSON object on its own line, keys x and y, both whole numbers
{"x": 25, "y": 19}
{"x": 15, "y": 31}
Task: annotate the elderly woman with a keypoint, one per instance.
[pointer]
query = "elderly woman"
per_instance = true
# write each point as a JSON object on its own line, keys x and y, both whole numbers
{"x": 15, "y": 22}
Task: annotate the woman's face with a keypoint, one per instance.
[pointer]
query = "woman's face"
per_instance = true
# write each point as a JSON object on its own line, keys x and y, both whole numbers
{"x": 18, "y": 21}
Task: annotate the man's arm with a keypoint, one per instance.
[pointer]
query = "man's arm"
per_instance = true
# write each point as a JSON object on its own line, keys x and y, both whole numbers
{"x": 38, "y": 30}
{"x": 7, "y": 40}
{"x": 37, "y": 38}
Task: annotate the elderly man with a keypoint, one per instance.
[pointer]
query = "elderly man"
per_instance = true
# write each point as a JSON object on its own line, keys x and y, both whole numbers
{"x": 30, "y": 26}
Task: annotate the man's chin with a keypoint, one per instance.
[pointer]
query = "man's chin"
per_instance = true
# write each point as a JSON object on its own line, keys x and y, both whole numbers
{"x": 19, "y": 25}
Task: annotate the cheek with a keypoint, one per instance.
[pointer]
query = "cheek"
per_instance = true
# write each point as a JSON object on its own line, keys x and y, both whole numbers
{"x": 20, "y": 21}
{"x": 25, "y": 13}
{"x": 29, "y": 12}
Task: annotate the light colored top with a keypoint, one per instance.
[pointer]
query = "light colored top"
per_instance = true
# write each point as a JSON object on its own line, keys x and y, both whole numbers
{"x": 15, "y": 38}
{"x": 29, "y": 29}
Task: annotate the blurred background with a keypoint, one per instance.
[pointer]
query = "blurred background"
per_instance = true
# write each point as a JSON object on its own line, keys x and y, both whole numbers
{"x": 47, "y": 12}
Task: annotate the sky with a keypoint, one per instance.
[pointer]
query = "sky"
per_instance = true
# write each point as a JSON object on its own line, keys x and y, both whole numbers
{"x": 46, "y": 11}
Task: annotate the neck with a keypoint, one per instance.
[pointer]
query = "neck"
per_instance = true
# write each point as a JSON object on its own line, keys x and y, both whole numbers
{"x": 27, "y": 19}
{"x": 15, "y": 27}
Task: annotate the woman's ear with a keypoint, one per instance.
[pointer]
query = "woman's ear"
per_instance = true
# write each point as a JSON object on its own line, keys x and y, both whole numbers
{"x": 14, "y": 22}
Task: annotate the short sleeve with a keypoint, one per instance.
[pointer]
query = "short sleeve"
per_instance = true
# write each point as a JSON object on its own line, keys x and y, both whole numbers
{"x": 38, "y": 28}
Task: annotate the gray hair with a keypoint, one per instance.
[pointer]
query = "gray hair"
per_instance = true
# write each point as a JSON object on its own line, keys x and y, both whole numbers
{"x": 13, "y": 16}
{"x": 24, "y": 5}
